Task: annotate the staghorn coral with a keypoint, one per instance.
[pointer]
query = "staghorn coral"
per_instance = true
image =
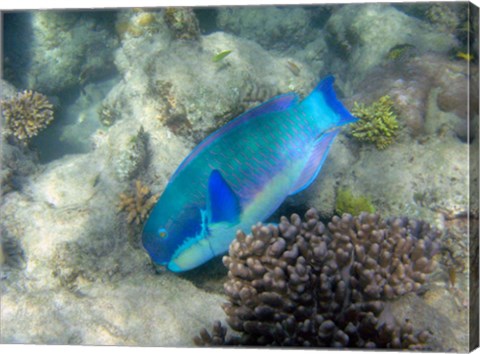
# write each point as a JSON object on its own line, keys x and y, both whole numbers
{"x": 303, "y": 284}
{"x": 137, "y": 205}
{"x": 26, "y": 114}
{"x": 378, "y": 123}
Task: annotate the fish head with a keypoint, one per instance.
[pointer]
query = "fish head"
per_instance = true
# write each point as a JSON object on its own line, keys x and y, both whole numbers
{"x": 166, "y": 234}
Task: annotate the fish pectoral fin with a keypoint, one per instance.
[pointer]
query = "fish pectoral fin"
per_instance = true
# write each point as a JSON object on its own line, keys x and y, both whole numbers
{"x": 223, "y": 205}
{"x": 315, "y": 162}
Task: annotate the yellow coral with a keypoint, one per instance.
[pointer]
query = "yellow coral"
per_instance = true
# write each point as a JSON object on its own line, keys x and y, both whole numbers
{"x": 378, "y": 123}
{"x": 138, "y": 204}
{"x": 26, "y": 114}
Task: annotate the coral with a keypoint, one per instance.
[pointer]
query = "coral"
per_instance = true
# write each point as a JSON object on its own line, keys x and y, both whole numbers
{"x": 303, "y": 284}
{"x": 26, "y": 114}
{"x": 182, "y": 22}
{"x": 138, "y": 204}
{"x": 378, "y": 123}
{"x": 348, "y": 203}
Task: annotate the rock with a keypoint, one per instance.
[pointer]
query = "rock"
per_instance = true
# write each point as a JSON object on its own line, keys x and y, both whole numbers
{"x": 267, "y": 25}
{"x": 141, "y": 310}
{"x": 414, "y": 309}
{"x": 362, "y": 37}
{"x": 78, "y": 43}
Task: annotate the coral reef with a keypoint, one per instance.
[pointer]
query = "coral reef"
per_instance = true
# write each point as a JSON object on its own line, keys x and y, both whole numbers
{"x": 303, "y": 284}
{"x": 378, "y": 123}
{"x": 347, "y": 202}
{"x": 86, "y": 282}
{"x": 182, "y": 22}
{"x": 138, "y": 204}
{"x": 27, "y": 114}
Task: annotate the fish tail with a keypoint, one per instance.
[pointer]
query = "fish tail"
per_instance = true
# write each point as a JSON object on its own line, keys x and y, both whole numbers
{"x": 322, "y": 103}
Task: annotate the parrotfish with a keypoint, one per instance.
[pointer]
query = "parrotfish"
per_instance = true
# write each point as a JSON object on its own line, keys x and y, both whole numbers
{"x": 240, "y": 174}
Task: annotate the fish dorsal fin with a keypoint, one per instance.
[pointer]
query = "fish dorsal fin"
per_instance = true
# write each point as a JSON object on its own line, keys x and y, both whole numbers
{"x": 323, "y": 102}
{"x": 276, "y": 104}
{"x": 318, "y": 155}
{"x": 222, "y": 204}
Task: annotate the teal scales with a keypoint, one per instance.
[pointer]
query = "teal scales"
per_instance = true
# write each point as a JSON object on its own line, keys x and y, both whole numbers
{"x": 241, "y": 174}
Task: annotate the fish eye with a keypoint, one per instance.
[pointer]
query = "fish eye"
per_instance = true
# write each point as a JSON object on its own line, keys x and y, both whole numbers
{"x": 162, "y": 233}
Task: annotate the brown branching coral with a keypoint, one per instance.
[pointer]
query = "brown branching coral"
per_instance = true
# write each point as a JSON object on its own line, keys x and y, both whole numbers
{"x": 26, "y": 114}
{"x": 138, "y": 204}
{"x": 303, "y": 284}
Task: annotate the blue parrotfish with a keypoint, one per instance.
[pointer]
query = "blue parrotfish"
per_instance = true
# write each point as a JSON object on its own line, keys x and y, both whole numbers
{"x": 240, "y": 174}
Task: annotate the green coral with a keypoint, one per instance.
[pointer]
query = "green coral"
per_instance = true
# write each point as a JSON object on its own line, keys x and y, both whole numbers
{"x": 347, "y": 202}
{"x": 378, "y": 123}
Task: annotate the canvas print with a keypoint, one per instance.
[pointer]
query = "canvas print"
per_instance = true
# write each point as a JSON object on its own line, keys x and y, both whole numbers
{"x": 241, "y": 176}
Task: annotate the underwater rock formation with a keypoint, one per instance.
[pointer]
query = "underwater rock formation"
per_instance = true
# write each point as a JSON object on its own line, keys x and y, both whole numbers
{"x": 184, "y": 89}
{"x": 138, "y": 22}
{"x": 80, "y": 44}
{"x": 27, "y": 114}
{"x": 267, "y": 25}
{"x": 182, "y": 22}
{"x": 361, "y": 36}
{"x": 304, "y": 284}
{"x": 11, "y": 252}
{"x": 132, "y": 157}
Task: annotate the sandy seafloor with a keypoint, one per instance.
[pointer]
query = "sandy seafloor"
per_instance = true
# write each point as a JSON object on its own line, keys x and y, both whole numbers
{"x": 134, "y": 91}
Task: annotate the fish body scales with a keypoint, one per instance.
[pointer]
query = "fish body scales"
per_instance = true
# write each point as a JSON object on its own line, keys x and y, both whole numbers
{"x": 240, "y": 175}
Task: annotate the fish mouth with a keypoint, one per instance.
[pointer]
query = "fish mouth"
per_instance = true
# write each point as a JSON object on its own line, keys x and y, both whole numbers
{"x": 159, "y": 268}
